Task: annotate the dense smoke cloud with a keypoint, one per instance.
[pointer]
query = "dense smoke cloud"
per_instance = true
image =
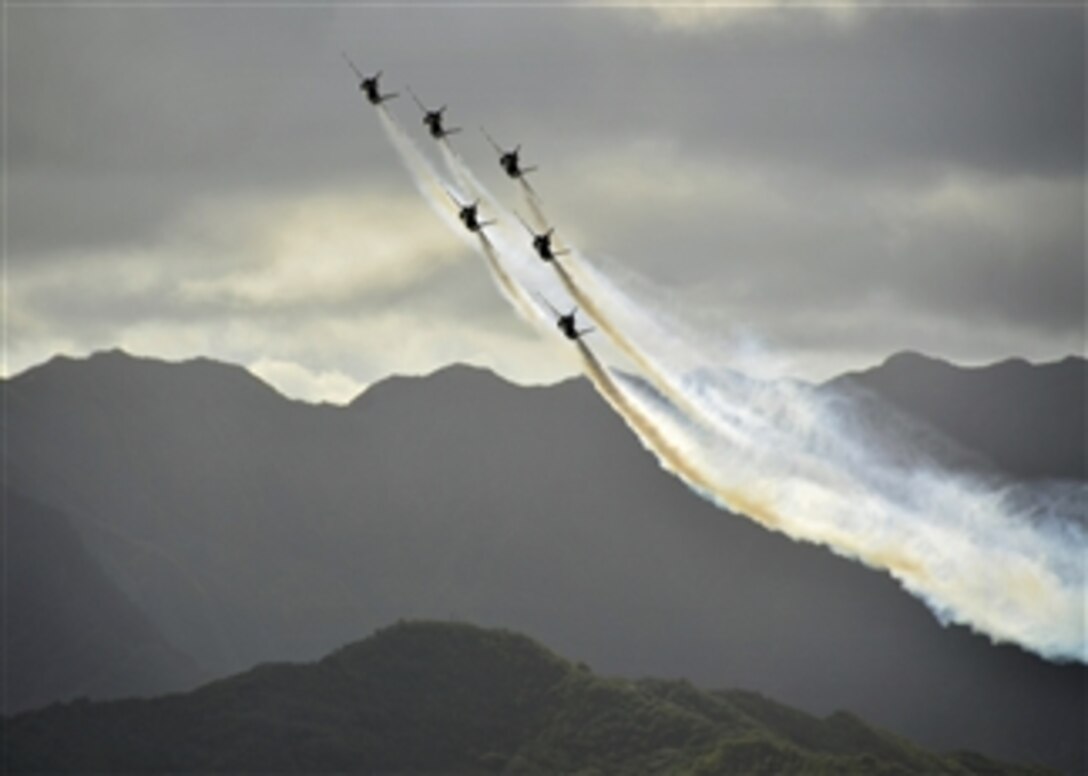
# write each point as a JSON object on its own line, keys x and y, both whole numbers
{"x": 1005, "y": 560}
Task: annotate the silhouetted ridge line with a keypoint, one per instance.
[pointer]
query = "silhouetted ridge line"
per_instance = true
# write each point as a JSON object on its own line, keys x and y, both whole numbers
{"x": 441, "y": 697}
{"x": 257, "y": 530}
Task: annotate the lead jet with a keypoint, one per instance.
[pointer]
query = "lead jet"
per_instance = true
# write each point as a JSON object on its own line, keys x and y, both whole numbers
{"x": 508, "y": 160}
{"x": 432, "y": 119}
{"x": 468, "y": 214}
{"x": 542, "y": 243}
{"x": 566, "y": 323}
{"x": 369, "y": 86}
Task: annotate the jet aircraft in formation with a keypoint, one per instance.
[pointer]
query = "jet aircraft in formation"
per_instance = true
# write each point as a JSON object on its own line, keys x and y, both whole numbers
{"x": 508, "y": 160}
{"x": 542, "y": 243}
{"x": 432, "y": 119}
{"x": 469, "y": 213}
{"x": 566, "y": 323}
{"x": 369, "y": 86}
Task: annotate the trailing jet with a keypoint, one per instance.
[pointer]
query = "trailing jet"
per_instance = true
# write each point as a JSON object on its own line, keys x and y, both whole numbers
{"x": 469, "y": 215}
{"x": 542, "y": 243}
{"x": 369, "y": 86}
{"x": 433, "y": 120}
{"x": 566, "y": 323}
{"x": 508, "y": 160}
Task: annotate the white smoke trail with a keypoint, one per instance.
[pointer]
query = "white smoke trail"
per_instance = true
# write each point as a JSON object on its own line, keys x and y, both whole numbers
{"x": 437, "y": 192}
{"x": 931, "y": 533}
{"x": 514, "y": 292}
{"x": 969, "y": 549}
{"x": 427, "y": 180}
{"x": 1006, "y": 561}
{"x": 532, "y": 202}
{"x": 519, "y": 250}
{"x": 511, "y": 242}
{"x": 663, "y": 379}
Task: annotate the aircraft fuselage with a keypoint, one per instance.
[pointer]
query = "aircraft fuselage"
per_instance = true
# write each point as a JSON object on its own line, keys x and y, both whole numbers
{"x": 370, "y": 87}
{"x": 543, "y": 245}
{"x": 470, "y": 219}
{"x": 433, "y": 121}
{"x": 509, "y": 163}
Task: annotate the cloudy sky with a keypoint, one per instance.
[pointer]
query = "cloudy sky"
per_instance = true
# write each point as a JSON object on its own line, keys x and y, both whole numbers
{"x": 836, "y": 183}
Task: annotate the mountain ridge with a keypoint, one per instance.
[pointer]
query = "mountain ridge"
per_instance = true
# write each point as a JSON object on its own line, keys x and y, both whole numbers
{"x": 446, "y": 697}
{"x": 249, "y": 527}
{"x": 896, "y": 361}
{"x": 1023, "y": 427}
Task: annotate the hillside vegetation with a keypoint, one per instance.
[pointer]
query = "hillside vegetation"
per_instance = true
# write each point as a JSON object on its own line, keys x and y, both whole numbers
{"x": 440, "y": 697}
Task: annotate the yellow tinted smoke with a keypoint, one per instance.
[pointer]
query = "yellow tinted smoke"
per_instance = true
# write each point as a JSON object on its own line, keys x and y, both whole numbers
{"x": 650, "y": 434}
{"x": 432, "y": 186}
{"x": 514, "y": 292}
{"x": 649, "y": 368}
{"x": 1008, "y": 579}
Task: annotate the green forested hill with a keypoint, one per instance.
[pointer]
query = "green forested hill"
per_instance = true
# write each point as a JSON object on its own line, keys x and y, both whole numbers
{"x": 440, "y": 697}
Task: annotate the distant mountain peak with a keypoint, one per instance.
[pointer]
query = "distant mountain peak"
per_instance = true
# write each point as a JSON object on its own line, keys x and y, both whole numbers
{"x": 115, "y": 366}
{"x": 458, "y": 379}
{"x": 909, "y": 359}
{"x": 906, "y": 360}
{"x": 1016, "y": 413}
{"x": 430, "y": 643}
{"x": 459, "y": 373}
{"x": 113, "y": 356}
{"x": 117, "y": 354}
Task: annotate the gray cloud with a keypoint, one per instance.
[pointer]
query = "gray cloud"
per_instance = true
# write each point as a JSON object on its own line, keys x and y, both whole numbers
{"x": 231, "y": 90}
{"x": 908, "y": 168}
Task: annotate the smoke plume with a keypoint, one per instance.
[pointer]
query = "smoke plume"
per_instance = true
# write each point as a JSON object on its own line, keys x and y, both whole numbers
{"x": 1006, "y": 560}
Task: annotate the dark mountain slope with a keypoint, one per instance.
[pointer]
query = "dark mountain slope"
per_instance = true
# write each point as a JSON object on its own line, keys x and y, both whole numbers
{"x": 453, "y": 698}
{"x": 250, "y": 528}
{"x": 68, "y": 630}
{"x": 1028, "y": 419}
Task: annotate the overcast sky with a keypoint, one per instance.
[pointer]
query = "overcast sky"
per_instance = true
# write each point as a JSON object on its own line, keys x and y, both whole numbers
{"x": 838, "y": 183}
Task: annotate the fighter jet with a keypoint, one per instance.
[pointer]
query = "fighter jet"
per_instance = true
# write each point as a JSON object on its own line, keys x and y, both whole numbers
{"x": 542, "y": 243}
{"x": 508, "y": 160}
{"x": 432, "y": 119}
{"x": 566, "y": 323}
{"x": 468, "y": 214}
{"x": 369, "y": 86}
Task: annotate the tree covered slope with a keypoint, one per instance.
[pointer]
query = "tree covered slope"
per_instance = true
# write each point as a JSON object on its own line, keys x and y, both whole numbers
{"x": 441, "y": 697}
